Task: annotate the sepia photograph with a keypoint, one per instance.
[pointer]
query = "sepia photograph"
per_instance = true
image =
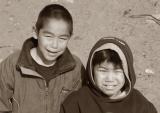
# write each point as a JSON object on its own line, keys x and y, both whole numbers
{"x": 79, "y": 56}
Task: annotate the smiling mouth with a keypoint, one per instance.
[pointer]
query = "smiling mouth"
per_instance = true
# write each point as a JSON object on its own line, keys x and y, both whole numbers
{"x": 110, "y": 86}
{"x": 53, "y": 52}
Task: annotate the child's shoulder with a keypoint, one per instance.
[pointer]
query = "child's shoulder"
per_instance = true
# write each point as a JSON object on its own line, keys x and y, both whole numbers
{"x": 75, "y": 96}
{"x": 142, "y": 101}
{"x": 138, "y": 96}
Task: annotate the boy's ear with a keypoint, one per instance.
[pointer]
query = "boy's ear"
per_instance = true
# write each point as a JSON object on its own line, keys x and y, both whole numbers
{"x": 34, "y": 32}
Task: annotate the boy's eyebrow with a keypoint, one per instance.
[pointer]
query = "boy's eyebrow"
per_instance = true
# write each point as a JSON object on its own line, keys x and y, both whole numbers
{"x": 47, "y": 32}
{"x": 67, "y": 35}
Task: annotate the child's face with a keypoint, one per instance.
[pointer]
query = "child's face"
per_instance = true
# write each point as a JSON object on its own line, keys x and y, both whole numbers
{"x": 53, "y": 39}
{"x": 109, "y": 79}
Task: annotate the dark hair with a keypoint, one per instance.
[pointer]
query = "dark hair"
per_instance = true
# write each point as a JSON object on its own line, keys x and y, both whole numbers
{"x": 110, "y": 56}
{"x": 54, "y": 11}
{"x": 107, "y": 55}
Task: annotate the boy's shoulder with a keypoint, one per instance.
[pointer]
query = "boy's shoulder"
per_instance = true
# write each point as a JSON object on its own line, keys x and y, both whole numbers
{"x": 79, "y": 67}
{"x": 77, "y": 59}
{"x": 12, "y": 58}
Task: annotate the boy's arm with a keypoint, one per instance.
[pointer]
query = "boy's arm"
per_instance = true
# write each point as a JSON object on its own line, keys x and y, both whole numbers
{"x": 80, "y": 74}
{"x": 6, "y": 85}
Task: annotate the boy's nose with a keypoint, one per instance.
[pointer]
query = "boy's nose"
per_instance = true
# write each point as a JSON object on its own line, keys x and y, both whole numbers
{"x": 55, "y": 43}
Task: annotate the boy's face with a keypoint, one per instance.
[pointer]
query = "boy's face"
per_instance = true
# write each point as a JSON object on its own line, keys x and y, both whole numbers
{"x": 53, "y": 38}
{"x": 108, "y": 78}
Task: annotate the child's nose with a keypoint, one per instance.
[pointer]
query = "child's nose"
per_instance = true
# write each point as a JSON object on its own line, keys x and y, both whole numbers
{"x": 109, "y": 76}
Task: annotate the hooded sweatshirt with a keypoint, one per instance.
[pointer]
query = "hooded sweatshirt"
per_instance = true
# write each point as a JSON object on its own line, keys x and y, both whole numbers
{"x": 90, "y": 98}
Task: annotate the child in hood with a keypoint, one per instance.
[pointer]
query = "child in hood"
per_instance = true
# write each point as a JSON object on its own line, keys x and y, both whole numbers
{"x": 111, "y": 80}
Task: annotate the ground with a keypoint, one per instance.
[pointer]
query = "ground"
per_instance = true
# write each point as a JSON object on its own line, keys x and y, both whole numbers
{"x": 94, "y": 19}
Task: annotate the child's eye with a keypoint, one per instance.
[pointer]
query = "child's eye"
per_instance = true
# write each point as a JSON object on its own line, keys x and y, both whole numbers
{"x": 103, "y": 70}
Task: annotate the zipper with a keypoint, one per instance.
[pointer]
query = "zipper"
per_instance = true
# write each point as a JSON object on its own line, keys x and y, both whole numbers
{"x": 46, "y": 96}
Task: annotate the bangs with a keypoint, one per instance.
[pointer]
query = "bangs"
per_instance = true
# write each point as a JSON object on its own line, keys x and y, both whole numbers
{"x": 109, "y": 56}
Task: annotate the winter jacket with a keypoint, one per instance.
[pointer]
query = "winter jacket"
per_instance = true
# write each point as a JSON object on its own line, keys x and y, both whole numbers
{"x": 90, "y": 99}
{"x": 23, "y": 90}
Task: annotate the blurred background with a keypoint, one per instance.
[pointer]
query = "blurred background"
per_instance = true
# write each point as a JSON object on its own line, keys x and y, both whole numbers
{"x": 135, "y": 21}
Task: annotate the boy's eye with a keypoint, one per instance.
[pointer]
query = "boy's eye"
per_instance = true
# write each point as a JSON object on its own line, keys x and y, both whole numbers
{"x": 47, "y": 36}
{"x": 119, "y": 71}
{"x": 63, "y": 37}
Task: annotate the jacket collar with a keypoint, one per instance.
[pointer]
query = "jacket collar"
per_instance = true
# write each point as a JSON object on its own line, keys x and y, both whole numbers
{"x": 64, "y": 63}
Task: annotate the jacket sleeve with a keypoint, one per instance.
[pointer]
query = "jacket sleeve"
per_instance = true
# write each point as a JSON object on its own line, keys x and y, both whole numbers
{"x": 80, "y": 74}
{"x": 6, "y": 85}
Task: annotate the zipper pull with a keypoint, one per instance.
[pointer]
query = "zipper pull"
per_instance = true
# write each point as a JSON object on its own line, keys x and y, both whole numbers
{"x": 46, "y": 90}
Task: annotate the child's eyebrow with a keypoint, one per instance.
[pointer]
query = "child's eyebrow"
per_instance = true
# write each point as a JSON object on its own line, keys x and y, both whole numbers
{"x": 115, "y": 68}
{"x": 102, "y": 67}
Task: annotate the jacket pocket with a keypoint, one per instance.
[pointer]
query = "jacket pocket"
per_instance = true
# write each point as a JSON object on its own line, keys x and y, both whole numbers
{"x": 69, "y": 88}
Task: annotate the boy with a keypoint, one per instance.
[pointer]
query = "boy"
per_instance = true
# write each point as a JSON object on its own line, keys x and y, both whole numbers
{"x": 39, "y": 77}
{"x": 111, "y": 83}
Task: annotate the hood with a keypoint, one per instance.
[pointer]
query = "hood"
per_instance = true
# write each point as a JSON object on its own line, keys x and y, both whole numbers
{"x": 126, "y": 57}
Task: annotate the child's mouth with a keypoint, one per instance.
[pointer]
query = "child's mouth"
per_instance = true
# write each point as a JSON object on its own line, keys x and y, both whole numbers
{"x": 110, "y": 86}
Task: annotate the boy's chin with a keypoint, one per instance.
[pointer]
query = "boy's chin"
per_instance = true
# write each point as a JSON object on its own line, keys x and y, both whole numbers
{"x": 49, "y": 61}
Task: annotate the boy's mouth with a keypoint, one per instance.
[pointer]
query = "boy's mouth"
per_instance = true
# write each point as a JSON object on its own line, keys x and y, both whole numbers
{"x": 52, "y": 52}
